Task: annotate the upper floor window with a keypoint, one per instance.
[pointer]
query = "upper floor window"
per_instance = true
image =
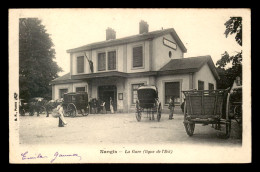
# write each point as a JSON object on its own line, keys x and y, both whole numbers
{"x": 111, "y": 60}
{"x": 138, "y": 56}
{"x": 101, "y": 61}
{"x": 80, "y": 64}
{"x": 200, "y": 85}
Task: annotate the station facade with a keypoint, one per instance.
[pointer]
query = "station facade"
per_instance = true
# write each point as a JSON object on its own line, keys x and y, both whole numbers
{"x": 117, "y": 67}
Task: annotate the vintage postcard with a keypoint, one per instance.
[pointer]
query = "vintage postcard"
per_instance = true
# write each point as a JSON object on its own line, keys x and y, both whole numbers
{"x": 129, "y": 86}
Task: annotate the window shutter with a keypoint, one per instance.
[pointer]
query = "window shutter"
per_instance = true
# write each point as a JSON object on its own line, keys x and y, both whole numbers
{"x": 80, "y": 64}
{"x": 101, "y": 61}
{"x": 138, "y": 56}
{"x": 111, "y": 60}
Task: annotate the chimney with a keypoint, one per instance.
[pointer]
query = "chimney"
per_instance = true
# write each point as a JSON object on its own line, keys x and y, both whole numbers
{"x": 110, "y": 34}
{"x": 143, "y": 27}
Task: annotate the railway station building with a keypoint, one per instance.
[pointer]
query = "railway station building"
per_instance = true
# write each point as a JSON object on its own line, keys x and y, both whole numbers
{"x": 117, "y": 67}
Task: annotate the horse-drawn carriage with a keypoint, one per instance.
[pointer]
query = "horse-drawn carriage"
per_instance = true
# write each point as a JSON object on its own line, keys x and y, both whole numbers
{"x": 148, "y": 102}
{"x": 75, "y": 103}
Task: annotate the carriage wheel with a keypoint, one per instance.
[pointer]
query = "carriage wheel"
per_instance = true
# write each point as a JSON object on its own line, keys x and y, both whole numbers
{"x": 159, "y": 112}
{"x": 138, "y": 116}
{"x": 189, "y": 128}
{"x": 71, "y": 110}
{"x": 138, "y": 112}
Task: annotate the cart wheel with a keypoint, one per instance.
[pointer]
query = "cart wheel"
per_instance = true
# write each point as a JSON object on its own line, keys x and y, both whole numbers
{"x": 189, "y": 128}
{"x": 72, "y": 111}
{"x": 228, "y": 120}
{"x": 228, "y": 130}
{"x": 159, "y": 112}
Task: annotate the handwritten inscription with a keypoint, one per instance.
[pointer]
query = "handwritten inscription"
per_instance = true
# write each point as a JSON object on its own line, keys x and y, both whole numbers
{"x": 26, "y": 156}
{"x": 57, "y": 154}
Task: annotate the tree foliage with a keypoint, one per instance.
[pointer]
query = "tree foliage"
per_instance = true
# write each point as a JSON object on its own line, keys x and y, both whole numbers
{"x": 36, "y": 55}
{"x": 227, "y": 76}
{"x": 234, "y": 26}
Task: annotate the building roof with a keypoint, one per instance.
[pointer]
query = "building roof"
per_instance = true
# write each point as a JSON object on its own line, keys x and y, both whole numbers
{"x": 129, "y": 39}
{"x": 173, "y": 67}
{"x": 64, "y": 79}
{"x": 188, "y": 65}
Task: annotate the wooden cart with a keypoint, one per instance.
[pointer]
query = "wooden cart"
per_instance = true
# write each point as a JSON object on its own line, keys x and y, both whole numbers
{"x": 206, "y": 107}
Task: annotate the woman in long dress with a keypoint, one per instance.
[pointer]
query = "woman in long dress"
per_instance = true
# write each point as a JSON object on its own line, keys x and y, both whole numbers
{"x": 61, "y": 112}
{"x": 111, "y": 105}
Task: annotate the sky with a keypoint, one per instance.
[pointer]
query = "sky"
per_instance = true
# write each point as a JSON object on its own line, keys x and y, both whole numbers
{"x": 201, "y": 30}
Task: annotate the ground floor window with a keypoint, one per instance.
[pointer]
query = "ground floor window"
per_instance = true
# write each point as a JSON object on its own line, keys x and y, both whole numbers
{"x": 200, "y": 85}
{"x": 78, "y": 89}
{"x": 62, "y": 91}
{"x": 172, "y": 89}
{"x": 134, "y": 91}
{"x": 211, "y": 86}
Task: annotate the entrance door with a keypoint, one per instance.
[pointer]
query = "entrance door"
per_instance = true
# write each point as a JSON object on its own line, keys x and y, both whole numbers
{"x": 105, "y": 92}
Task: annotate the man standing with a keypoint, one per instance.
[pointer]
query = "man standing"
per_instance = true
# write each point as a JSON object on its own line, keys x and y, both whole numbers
{"x": 171, "y": 107}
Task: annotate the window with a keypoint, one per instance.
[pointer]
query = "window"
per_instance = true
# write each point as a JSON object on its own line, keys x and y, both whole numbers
{"x": 200, "y": 85}
{"x": 80, "y": 64}
{"x": 138, "y": 56}
{"x": 111, "y": 60}
{"x": 211, "y": 86}
{"x": 134, "y": 91}
{"x": 172, "y": 89}
{"x": 101, "y": 61}
{"x": 80, "y": 89}
{"x": 62, "y": 91}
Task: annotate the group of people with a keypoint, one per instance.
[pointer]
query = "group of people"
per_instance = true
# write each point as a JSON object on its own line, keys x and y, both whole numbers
{"x": 99, "y": 106}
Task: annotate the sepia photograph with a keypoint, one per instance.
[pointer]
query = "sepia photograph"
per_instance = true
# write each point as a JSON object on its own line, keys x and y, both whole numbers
{"x": 129, "y": 85}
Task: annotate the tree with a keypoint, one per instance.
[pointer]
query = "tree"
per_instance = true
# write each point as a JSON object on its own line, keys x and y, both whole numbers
{"x": 234, "y": 26}
{"x": 36, "y": 55}
{"x": 227, "y": 76}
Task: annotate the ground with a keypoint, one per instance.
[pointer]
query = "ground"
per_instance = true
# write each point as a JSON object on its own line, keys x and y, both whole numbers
{"x": 119, "y": 128}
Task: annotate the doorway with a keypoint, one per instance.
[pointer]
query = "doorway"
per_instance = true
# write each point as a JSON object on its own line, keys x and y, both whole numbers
{"x": 105, "y": 92}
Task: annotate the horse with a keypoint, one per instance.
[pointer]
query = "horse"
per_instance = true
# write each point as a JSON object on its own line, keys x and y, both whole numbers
{"x": 37, "y": 104}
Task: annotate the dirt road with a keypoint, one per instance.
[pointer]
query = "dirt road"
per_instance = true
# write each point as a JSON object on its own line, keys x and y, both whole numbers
{"x": 119, "y": 129}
